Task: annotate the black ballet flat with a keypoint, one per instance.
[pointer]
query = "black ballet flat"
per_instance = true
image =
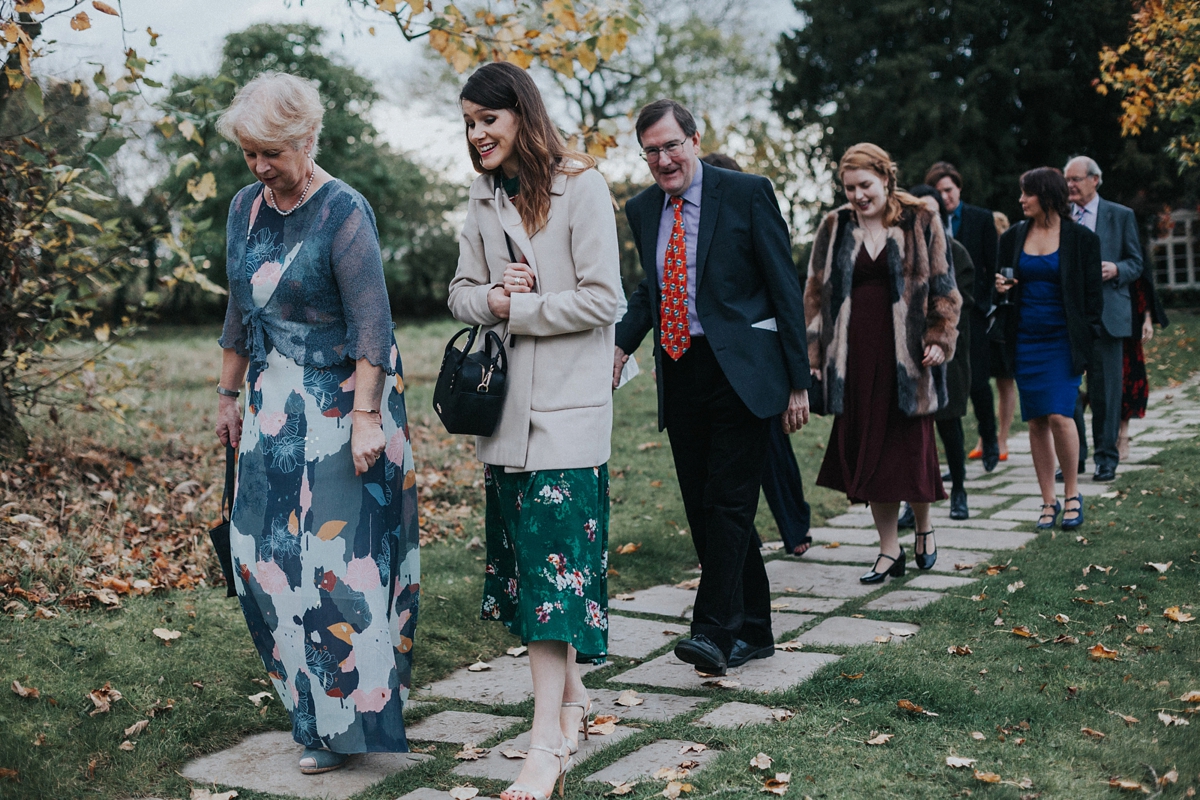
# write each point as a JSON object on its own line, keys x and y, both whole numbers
{"x": 896, "y": 570}
{"x": 927, "y": 559}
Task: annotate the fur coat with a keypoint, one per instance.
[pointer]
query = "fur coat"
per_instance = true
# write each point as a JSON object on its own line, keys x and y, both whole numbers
{"x": 925, "y": 305}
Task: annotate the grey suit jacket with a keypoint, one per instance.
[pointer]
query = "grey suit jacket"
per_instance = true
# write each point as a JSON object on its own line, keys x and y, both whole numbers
{"x": 1117, "y": 228}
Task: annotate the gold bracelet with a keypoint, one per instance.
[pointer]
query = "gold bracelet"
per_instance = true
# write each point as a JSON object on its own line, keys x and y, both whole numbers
{"x": 365, "y": 410}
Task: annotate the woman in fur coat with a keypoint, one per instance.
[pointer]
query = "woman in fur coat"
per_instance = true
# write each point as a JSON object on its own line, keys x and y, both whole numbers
{"x": 882, "y": 311}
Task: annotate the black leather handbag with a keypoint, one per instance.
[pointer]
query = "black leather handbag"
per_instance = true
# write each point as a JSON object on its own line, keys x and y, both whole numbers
{"x": 219, "y": 536}
{"x": 469, "y": 394}
{"x": 816, "y": 398}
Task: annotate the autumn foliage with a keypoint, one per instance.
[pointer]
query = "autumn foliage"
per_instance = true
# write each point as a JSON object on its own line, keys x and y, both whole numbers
{"x": 1157, "y": 73}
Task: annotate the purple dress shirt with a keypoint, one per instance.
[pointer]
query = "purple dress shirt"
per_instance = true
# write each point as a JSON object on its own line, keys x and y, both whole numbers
{"x": 691, "y": 235}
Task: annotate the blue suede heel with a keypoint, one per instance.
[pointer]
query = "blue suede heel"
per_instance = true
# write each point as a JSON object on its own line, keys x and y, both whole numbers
{"x": 1072, "y": 524}
{"x": 1045, "y": 526}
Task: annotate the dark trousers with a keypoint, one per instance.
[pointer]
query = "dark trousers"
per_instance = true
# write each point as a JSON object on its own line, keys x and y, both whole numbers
{"x": 982, "y": 398}
{"x": 784, "y": 489}
{"x": 1104, "y": 381}
{"x": 719, "y": 448}
{"x": 951, "y": 431}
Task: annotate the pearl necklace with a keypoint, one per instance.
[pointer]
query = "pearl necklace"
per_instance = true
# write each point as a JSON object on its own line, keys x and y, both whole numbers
{"x": 304, "y": 194}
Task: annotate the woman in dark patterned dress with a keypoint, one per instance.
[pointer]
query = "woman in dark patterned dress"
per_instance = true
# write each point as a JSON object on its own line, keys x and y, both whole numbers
{"x": 324, "y": 528}
{"x": 1135, "y": 389}
{"x": 538, "y": 264}
{"x": 882, "y": 313}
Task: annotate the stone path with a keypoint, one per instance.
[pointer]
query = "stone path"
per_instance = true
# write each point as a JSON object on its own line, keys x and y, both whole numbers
{"x": 807, "y": 595}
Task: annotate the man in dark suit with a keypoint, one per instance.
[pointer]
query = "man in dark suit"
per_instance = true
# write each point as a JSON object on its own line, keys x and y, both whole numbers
{"x": 975, "y": 229}
{"x": 1121, "y": 265}
{"x": 723, "y": 300}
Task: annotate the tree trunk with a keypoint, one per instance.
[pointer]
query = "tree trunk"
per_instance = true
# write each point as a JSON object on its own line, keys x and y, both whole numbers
{"x": 13, "y": 438}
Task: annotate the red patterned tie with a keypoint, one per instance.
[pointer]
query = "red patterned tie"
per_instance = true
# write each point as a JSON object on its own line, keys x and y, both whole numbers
{"x": 673, "y": 312}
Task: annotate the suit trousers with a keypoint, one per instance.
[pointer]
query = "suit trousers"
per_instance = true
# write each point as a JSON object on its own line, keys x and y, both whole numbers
{"x": 784, "y": 488}
{"x": 719, "y": 448}
{"x": 1104, "y": 383}
{"x": 951, "y": 431}
{"x": 981, "y": 388}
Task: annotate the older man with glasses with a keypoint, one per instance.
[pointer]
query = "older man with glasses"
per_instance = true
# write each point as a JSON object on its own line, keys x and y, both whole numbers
{"x": 1121, "y": 265}
{"x": 723, "y": 299}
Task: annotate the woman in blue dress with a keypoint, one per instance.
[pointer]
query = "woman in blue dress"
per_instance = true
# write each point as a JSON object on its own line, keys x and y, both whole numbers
{"x": 1050, "y": 328}
{"x": 324, "y": 526}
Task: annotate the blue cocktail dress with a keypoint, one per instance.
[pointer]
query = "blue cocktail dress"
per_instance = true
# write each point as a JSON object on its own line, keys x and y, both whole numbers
{"x": 1043, "y": 369}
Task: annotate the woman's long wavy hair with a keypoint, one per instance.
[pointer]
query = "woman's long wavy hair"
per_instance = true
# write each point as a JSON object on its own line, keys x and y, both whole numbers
{"x": 539, "y": 147}
{"x": 874, "y": 158}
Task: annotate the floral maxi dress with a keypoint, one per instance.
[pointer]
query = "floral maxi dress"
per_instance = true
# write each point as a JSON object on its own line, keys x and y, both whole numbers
{"x": 326, "y": 562}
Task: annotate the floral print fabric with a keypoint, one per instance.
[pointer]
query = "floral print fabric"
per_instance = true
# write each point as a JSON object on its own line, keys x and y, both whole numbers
{"x": 327, "y": 563}
{"x": 547, "y": 556}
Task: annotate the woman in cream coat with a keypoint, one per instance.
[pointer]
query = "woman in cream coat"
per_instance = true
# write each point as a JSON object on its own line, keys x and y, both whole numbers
{"x": 539, "y": 265}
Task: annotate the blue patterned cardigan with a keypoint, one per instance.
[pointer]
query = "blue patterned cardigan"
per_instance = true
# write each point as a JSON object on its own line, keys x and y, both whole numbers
{"x": 331, "y": 304}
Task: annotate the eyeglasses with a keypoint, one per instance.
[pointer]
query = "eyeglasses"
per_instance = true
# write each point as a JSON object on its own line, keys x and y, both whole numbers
{"x": 1080, "y": 180}
{"x": 670, "y": 150}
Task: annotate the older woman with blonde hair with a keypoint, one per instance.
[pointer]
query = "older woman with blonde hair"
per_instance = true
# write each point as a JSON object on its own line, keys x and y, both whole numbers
{"x": 882, "y": 312}
{"x": 324, "y": 524}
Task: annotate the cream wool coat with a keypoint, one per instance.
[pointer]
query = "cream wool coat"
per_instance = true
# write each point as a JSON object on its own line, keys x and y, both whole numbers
{"x": 560, "y": 337}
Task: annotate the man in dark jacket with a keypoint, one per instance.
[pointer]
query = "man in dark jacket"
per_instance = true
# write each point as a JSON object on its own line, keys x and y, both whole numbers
{"x": 723, "y": 300}
{"x": 975, "y": 229}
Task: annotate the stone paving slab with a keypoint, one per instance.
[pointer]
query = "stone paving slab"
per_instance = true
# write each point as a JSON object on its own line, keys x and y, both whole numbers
{"x": 784, "y": 622}
{"x": 644, "y": 762}
{"x": 1017, "y": 515}
{"x": 425, "y": 794}
{"x": 821, "y": 580}
{"x": 497, "y": 767}
{"x": 1137, "y": 453}
{"x": 846, "y": 631}
{"x": 664, "y": 601}
{"x": 974, "y": 501}
{"x": 266, "y": 762}
{"x": 949, "y": 556}
{"x": 902, "y": 600}
{"x": 928, "y": 581}
{"x": 460, "y": 727}
{"x": 1087, "y": 488}
{"x": 1159, "y": 434}
{"x": 854, "y": 518}
{"x": 815, "y": 605}
{"x": 993, "y": 522}
{"x": 845, "y": 554}
{"x": 655, "y": 707}
{"x": 637, "y": 638}
{"x": 781, "y": 671}
{"x": 976, "y": 539}
{"x": 508, "y": 681}
{"x": 737, "y": 715}
{"x": 867, "y": 537}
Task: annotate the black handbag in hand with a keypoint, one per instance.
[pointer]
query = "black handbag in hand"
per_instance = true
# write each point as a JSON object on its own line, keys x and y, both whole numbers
{"x": 816, "y": 398}
{"x": 469, "y": 394}
{"x": 220, "y": 534}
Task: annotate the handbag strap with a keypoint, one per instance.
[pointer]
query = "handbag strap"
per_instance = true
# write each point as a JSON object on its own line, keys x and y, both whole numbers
{"x": 227, "y": 493}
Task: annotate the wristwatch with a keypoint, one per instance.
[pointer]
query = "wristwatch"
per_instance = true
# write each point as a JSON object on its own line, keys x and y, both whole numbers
{"x": 221, "y": 390}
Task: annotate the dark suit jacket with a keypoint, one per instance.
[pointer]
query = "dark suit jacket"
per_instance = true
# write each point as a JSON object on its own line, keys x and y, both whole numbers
{"x": 1117, "y": 228}
{"x": 1079, "y": 276}
{"x": 977, "y": 233}
{"x": 746, "y": 284}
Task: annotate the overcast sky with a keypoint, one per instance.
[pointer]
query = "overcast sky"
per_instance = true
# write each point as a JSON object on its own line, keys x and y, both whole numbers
{"x": 193, "y": 31}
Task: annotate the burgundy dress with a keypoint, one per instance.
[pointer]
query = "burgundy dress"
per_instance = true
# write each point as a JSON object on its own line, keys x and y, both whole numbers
{"x": 876, "y": 452}
{"x": 1135, "y": 386}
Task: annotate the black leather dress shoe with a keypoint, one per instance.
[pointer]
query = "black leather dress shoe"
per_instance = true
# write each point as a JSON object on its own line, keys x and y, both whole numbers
{"x": 991, "y": 456}
{"x": 958, "y": 504}
{"x": 908, "y": 519}
{"x": 744, "y": 651}
{"x": 703, "y": 654}
{"x": 1058, "y": 476}
{"x": 1104, "y": 474}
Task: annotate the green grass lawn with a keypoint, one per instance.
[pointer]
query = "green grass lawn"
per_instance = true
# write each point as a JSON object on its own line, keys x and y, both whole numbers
{"x": 1027, "y": 698}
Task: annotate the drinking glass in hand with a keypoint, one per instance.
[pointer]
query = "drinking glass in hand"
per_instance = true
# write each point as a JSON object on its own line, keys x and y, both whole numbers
{"x": 1009, "y": 280}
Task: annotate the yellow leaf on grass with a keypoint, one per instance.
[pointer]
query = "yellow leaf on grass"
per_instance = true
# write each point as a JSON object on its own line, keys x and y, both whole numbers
{"x": 1099, "y": 652}
{"x": 1092, "y": 733}
{"x": 25, "y": 691}
{"x": 777, "y": 785}
{"x": 761, "y": 761}
{"x": 987, "y": 777}
{"x": 877, "y": 739}
{"x": 1127, "y": 785}
{"x": 1176, "y": 615}
{"x": 166, "y": 635}
{"x": 1021, "y": 630}
{"x": 1191, "y": 697}
{"x": 958, "y": 762}
{"x": 1169, "y": 720}
{"x": 628, "y": 547}
{"x": 959, "y": 650}
{"x": 330, "y": 529}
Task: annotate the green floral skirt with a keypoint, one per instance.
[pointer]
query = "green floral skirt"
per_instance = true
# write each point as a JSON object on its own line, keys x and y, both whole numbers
{"x": 547, "y": 556}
